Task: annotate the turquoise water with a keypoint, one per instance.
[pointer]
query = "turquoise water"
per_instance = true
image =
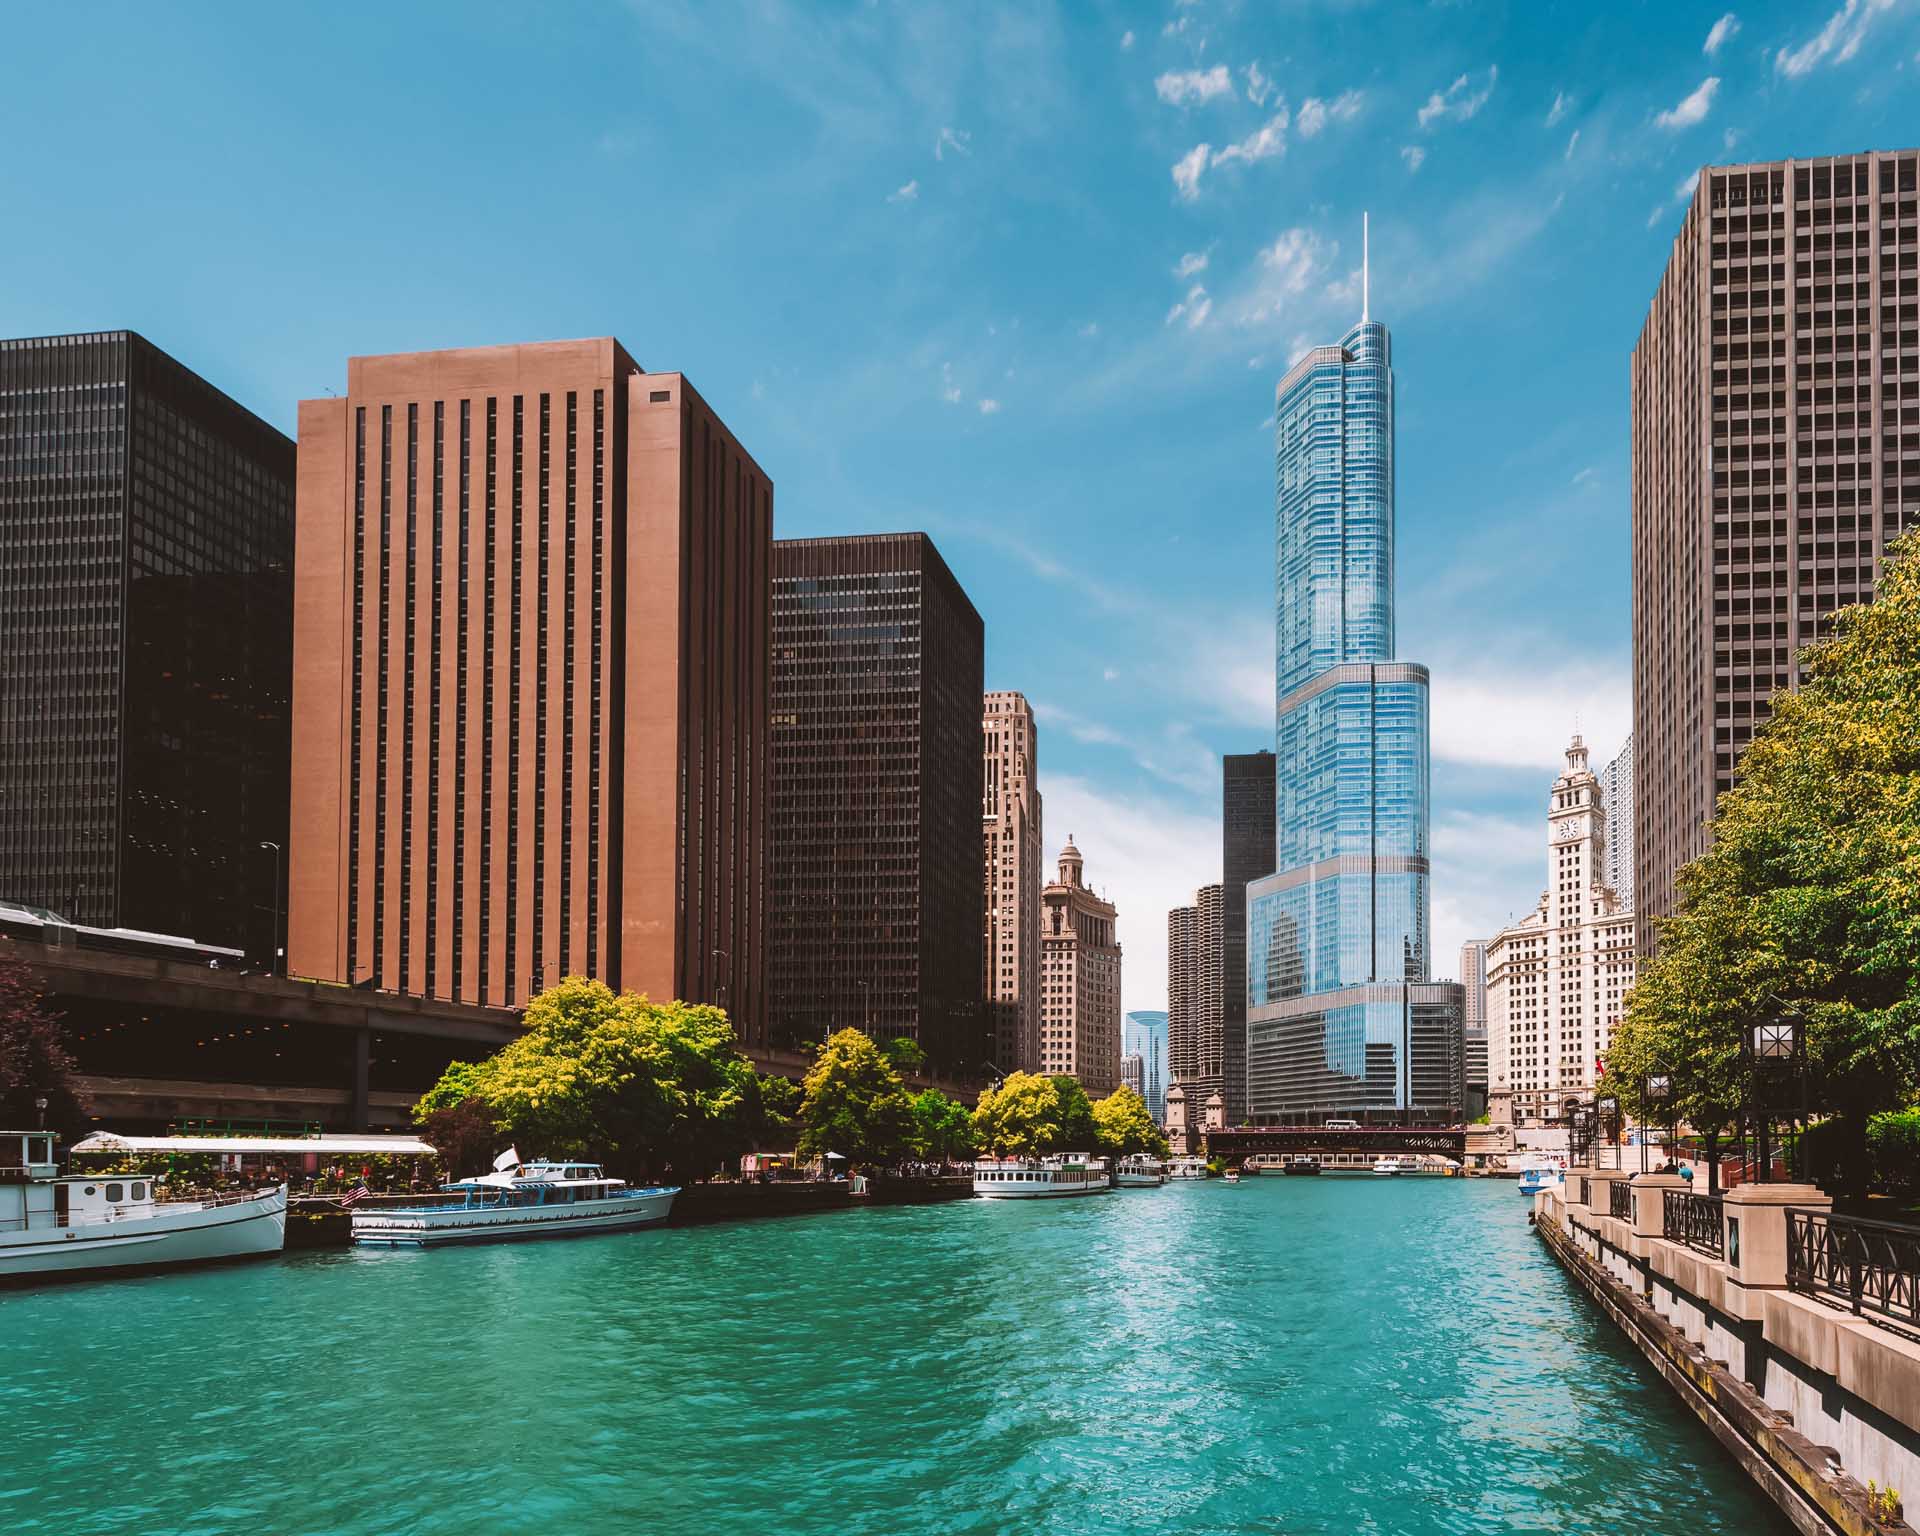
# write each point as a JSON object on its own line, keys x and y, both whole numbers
{"x": 1296, "y": 1356}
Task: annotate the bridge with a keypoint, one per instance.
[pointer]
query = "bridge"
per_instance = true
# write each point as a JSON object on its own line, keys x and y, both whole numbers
{"x": 1243, "y": 1141}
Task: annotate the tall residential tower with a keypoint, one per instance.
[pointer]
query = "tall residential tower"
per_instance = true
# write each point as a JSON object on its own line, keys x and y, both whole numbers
{"x": 1246, "y": 855}
{"x": 1010, "y": 845}
{"x": 1079, "y": 981}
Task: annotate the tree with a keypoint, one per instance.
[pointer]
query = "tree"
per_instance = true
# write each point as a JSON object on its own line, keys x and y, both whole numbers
{"x": 779, "y": 1117}
{"x": 1808, "y": 902}
{"x": 640, "y": 1086}
{"x": 853, "y": 1103}
{"x": 942, "y": 1127}
{"x": 904, "y": 1055}
{"x": 1019, "y": 1117}
{"x": 1078, "y": 1133}
{"x": 34, "y": 1060}
{"x": 1122, "y": 1124}
{"x": 463, "y": 1134}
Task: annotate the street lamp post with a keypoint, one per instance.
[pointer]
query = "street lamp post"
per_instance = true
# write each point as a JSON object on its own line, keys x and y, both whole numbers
{"x": 40, "y": 1107}
{"x": 722, "y": 959}
{"x": 1656, "y": 1097}
{"x": 1607, "y": 1114}
{"x": 1773, "y": 1049}
{"x": 1580, "y": 1134}
{"x": 273, "y": 960}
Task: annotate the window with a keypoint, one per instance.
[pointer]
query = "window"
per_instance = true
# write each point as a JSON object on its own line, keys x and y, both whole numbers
{"x": 116, "y": 1193}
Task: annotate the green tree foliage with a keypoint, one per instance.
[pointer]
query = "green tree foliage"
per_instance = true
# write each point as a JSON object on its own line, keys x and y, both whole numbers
{"x": 942, "y": 1127}
{"x": 853, "y": 1103}
{"x": 1078, "y": 1133}
{"x": 463, "y": 1134}
{"x": 34, "y": 1060}
{"x": 639, "y": 1085}
{"x": 779, "y": 1112}
{"x": 1809, "y": 900}
{"x": 904, "y": 1055}
{"x": 1018, "y": 1117}
{"x": 1122, "y": 1124}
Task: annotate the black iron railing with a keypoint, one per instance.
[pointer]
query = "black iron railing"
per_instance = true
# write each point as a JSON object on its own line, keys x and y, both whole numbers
{"x": 1694, "y": 1220}
{"x": 1620, "y": 1199}
{"x": 1870, "y": 1267}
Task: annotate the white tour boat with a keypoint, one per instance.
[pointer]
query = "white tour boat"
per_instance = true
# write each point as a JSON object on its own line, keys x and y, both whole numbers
{"x": 1187, "y": 1168}
{"x": 1040, "y": 1178}
{"x": 1387, "y": 1167}
{"x": 1139, "y": 1170}
{"x": 68, "y": 1224}
{"x": 518, "y": 1200}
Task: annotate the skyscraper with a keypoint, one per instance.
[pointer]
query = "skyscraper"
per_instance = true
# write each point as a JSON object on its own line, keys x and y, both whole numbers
{"x": 530, "y": 694}
{"x": 146, "y": 642}
{"x": 1246, "y": 854}
{"x": 1473, "y": 988}
{"x": 876, "y": 844}
{"x": 1010, "y": 842}
{"x": 1143, "y": 1033}
{"x": 1079, "y": 980}
{"x": 1616, "y": 798}
{"x": 1774, "y": 414}
{"x": 1195, "y": 994}
{"x": 1341, "y": 1017}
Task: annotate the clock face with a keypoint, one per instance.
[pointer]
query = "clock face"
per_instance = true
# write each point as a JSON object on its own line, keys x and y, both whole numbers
{"x": 1566, "y": 831}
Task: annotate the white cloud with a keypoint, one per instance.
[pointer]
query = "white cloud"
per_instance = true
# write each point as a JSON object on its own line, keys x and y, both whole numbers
{"x": 1259, "y": 87}
{"x": 905, "y": 194}
{"x": 1522, "y": 718}
{"x": 1561, "y": 105}
{"x": 1681, "y": 194}
{"x": 1184, "y": 87}
{"x": 1458, "y": 101}
{"x": 1262, "y": 144}
{"x": 1692, "y": 109}
{"x": 1414, "y": 155}
{"x": 1839, "y": 40}
{"x": 1108, "y": 674}
{"x": 1316, "y": 114}
{"x": 1195, "y": 307}
{"x": 951, "y": 139}
{"x": 949, "y": 391}
{"x": 1582, "y": 476}
{"x": 1575, "y": 139}
{"x": 1193, "y": 263}
{"x": 1126, "y": 38}
{"x": 989, "y": 407}
{"x": 1186, "y": 173}
{"x": 1723, "y": 30}
{"x": 1090, "y": 329}
{"x": 1487, "y": 871}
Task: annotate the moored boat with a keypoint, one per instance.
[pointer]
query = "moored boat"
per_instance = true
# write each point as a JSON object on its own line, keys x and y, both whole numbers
{"x": 1302, "y": 1162}
{"x": 54, "y": 1224}
{"x": 1187, "y": 1168}
{"x": 1544, "y": 1176}
{"x": 519, "y": 1200}
{"x": 1139, "y": 1170}
{"x": 1386, "y": 1167}
{"x": 1040, "y": 1178}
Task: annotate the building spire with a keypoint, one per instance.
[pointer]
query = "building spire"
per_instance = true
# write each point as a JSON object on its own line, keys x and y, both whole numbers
{"x": 1366, "y": 271}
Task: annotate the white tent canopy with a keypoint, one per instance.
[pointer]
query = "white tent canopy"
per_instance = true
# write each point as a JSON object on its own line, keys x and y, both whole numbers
{"x": 253, "y": 1146}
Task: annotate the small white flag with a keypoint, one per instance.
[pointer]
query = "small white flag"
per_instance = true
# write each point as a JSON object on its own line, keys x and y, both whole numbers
{"x": 507, "y": 1159}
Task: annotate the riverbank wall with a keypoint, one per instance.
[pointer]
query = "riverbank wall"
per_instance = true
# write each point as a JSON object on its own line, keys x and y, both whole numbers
{"x": 1812, "y": 1402}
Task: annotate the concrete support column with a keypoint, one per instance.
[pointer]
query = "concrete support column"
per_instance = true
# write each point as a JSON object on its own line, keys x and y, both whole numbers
{"x": 1650, "y": 1202}
{"x": 1756, "y": 1240}
{"x": 1579, "y": 1185}
{"x": 362, "y": 1054}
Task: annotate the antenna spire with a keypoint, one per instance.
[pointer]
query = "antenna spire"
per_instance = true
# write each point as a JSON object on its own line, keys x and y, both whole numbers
{"x": 1366, "y": 272}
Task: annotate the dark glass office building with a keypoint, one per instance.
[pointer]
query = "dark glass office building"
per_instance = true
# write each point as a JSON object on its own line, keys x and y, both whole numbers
{"x": 146, "y": 642}
{"x": 1246, "y": 853}
{"x": 875, "y": 845}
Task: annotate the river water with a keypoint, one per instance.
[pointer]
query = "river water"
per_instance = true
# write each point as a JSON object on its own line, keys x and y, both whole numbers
{"x": 1298, "y": 1356}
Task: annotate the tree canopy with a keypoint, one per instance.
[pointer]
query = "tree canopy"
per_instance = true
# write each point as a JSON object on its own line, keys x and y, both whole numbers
{"x": 942, "y": 1127}
{"x": 34, "y": 1060}
{"x": 1122, "y": 1124}
{"x": 1025, "y": 1115}
{"x": 904, "y": 1054}
{"x": 1808, "y": 902}
{"x": 852, "y": 1102}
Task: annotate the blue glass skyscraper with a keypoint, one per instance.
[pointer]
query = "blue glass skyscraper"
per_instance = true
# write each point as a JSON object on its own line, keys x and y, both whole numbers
{"x": 1341, "y": 1017}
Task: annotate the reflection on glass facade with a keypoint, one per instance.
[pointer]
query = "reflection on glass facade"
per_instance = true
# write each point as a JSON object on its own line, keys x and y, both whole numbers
{"x": 1337, "y": 936}
{"x": 146, "y": 641}
{"x": 1144, "y": 1034}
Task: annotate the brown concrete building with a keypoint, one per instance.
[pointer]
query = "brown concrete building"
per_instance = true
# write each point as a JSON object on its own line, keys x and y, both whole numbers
{"x": 1196, "y": 985}
{"x": 1079, "y": 981}
{"x": 530, "y": 682}
{"x": 1776, "y": 449}
{"x": 1010, "y": 842}
{"x": 876, "y": 870}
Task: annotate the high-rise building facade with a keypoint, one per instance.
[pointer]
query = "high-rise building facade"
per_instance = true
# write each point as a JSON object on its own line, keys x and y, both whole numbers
{"x": 1473, "y": 1031}
{"x": 1246, "y": 854}
{"x": 1557, "y": 980}
{"x": 876, "y": 855}
{"x": 1776, "y": 449}
{"x": 1133, "y": 1073}
{"x": 1010, "y": 845}
{"x": 1196, "y": 991}
{"x": 1616, "y": 798}
{"x": 1341, "y": 1018}
{"x": 1143, "y": 1033}
{"x": 530, "y": 694}
{"x": 146, "y": 642}
{"x": 1079, "y": 980}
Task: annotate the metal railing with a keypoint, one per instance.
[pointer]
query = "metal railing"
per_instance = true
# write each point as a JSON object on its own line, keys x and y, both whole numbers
{"x": 1870, "y": 1267}
{"x": 1694, "y": 1220}
{"x": 1620, "y": 1199}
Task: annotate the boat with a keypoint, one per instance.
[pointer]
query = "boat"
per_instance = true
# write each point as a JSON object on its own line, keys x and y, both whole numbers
{"x": 1302, "y": 1162}
{"x": 1386, "y": 1167}
{"x": 1041, "y": 1178}
{"x": 54, "y": 1224}
{"x": 1232, "y": 1175}
{"x": 518, "y": 1200}
{"x": 1542, "y": 1177}
{"x": 1187, "y": 1168}
{"x": 1429, "y": 1165}
{"x": 1139, "y": 1170}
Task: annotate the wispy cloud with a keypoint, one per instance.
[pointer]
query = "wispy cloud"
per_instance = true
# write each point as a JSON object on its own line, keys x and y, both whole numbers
{"x": 1259, "y": 87}
{"x": 1126, "y": 38}
{"x": 1265, "y": 142}
{"x": 1194, "y": 308}
{"x": 955, "y": 139}
{"x": 907, "y": 194}
{"x": 1316, "y": 114}
{"x": 1838, "y": 41}
{"x": 1414, "y": 154}
{"x": 949, "y": 391}
{"x": 1582, "y": 476}
{"x": 1561, "y": 106}
{"x": 1722, "y": 32}
{"x": 1188, "y": 87}
{"x": 1459, "y": 101}
{"x": 1491, "y": 716}
{"x": 1090, "y": 330}
{"x": 1193, "y": 263}
{"x": 1188, "y": 169}
{"x": 1681, "y": 194}
{"x": 1692, "y": 109}
{"x": 1572, "y": 141}
{"x": 989, "y": 407}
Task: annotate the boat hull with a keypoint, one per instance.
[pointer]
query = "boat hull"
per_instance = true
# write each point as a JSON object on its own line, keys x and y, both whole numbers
{"x": 445, "y": 1226}
{"x": 1043, "y": 1192}
{"x": 1139, "y": 1180}
{"x": 203, "y": 1235}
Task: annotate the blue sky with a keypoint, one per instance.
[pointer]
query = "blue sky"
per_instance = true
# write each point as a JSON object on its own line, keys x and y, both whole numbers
{"x": 1023, "y": 276}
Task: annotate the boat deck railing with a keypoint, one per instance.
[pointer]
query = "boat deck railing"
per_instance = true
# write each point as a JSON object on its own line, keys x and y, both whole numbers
{"x": 38, "y": 1221}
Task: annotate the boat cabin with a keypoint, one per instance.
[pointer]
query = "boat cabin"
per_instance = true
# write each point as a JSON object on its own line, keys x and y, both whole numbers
{"x": 34, "y": 1193}
{"x": 538, "y": 1183}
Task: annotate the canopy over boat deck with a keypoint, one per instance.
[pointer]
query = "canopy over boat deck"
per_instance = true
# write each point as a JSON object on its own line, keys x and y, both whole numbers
{"x": 259, "y": 1146}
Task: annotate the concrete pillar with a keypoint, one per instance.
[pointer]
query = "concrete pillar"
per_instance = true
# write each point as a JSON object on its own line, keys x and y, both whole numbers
{"x": 362, "y": 1052}
{"x": 1579, "y": 1176}
{"x": 1756, "y": 1240}
{"x": 1650, "y": 1202}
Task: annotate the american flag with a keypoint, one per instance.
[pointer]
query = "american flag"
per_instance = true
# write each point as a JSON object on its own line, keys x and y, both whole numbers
{"x": 359, "y": 1193}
